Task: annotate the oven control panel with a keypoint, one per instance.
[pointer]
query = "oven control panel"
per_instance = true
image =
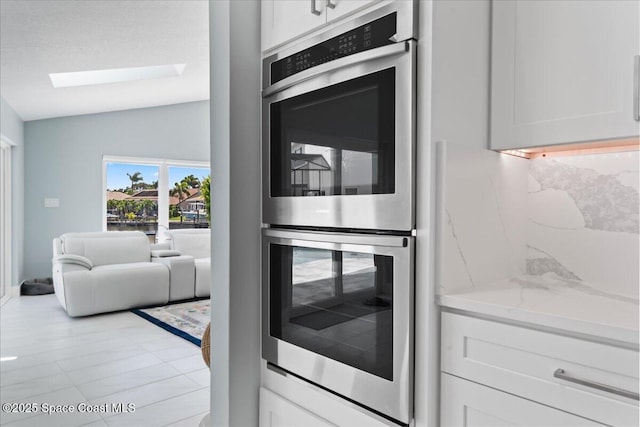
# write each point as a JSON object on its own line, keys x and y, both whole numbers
{"x": 369, "y": 36}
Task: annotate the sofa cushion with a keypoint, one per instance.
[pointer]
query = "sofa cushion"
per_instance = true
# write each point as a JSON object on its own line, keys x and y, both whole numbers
{"x": 203, "y": 277}
{"x": 115, "y": 287}
{"x": 194, "y": 242}
{"x": 111, "y": 247}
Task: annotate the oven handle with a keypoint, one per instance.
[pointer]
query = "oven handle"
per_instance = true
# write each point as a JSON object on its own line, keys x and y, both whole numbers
{"x": 381, "y": 52}
{"x": 340, "y": 238}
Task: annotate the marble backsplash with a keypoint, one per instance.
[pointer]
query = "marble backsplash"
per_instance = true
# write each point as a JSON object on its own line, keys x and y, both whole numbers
{"x": 482, "y": 220}
{"x": 583, "y": 219}
{"x": 574, "y": 218}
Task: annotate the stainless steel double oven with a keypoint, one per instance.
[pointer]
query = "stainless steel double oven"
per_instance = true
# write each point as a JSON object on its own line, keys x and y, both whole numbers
{"x": 338, "y": 208}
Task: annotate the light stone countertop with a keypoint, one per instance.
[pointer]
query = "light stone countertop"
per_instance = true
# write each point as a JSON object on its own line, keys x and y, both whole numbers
{"x": 553, "y": 302}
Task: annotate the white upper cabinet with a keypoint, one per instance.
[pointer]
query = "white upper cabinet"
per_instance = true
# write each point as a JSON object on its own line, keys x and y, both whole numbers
{"x": 284, "y": 20}
{"x": 563, "y": 72}
{"x": 337, "y": 8}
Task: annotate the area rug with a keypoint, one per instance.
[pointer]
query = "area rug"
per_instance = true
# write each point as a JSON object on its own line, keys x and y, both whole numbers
{"x": 187, "y": 320}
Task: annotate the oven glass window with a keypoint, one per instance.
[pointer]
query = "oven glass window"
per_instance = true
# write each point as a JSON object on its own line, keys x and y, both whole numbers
{"x": 335, "y": 303}
{"x": 339, "y": 140}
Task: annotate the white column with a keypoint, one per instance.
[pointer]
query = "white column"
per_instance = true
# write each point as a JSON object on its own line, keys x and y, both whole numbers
{"x": 427, "y": 318}
{"x": 235, "y": 217}
{"x": 163, "y": 201}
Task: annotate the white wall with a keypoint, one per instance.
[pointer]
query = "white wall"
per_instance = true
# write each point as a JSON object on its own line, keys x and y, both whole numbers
{"x": 12, "y": 127}
{"x": 235, "y": 229}
{"x": 63, "y": 160}
{"x": 461, "y": 72}
{"x": 453, "y": 105}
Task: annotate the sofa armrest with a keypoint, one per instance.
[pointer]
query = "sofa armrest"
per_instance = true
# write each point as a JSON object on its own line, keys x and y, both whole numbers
{"x": 159, "y": 246}
{"x": 57, "y": 247}
{"x": 182, "y": 274}
{"x": 164, "y": 253}
{"x": 74, "y": 259}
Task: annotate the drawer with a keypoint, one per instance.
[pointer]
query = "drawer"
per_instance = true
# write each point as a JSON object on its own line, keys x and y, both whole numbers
{"x": 523, "y": 361}
{"x": 467, "y": 404}
{"x": 276, "y": 411}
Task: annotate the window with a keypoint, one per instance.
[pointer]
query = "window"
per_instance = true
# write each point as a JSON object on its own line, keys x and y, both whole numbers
{"x": 187, "y": 206}
{"x": 153, "y": 195}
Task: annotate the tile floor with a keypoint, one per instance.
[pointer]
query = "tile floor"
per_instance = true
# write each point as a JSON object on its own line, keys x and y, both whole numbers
{"x": 103, "y": 359}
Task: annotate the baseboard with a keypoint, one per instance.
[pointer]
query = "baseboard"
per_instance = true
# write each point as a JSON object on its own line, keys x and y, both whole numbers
{"x": 206, "y": 421}
{"x": 12, "y": 292}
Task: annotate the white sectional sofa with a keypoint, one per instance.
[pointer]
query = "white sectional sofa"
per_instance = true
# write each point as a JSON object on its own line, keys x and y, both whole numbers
{"x": 195, "y": 243}
{"x": 118, "y": 270}
{"x": 107, "y": 271}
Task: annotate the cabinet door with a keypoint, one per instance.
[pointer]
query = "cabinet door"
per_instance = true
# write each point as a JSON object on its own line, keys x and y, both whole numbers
{"x": 523, "y": 362}
{"x": 276, "y": 411}
{"x": 563, "y": 72}
{"x": 283, "y": 20}
{"x": 468, "y": 404}
{"x": 342, "y": 7}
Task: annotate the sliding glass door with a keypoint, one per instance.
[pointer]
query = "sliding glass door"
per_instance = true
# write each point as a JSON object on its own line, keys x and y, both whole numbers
{"x": 5, "y": 218}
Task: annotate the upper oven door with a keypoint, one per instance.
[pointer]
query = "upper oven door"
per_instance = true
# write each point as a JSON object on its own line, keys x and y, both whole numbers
{"x": 338, "y": 143}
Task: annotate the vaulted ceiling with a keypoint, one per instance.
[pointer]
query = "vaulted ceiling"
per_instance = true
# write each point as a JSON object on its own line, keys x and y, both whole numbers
{"x": 42, "y": 37}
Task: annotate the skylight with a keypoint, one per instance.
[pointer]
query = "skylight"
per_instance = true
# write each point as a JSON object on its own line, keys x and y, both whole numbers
{"x": 96, "y": 77}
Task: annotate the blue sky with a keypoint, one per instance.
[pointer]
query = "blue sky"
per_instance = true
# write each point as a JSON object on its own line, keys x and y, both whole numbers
{"x": 117, "y": 174}
{"x": 177, "y": 173}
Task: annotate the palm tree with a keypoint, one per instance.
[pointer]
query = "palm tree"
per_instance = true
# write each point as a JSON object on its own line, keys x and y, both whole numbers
{"x": 149, "y": 207}
{"x": 134, "y": 178}
{"x": 191, "y": 181}
{"x": 206, "y": 194}
{"x": 179, "y": 190}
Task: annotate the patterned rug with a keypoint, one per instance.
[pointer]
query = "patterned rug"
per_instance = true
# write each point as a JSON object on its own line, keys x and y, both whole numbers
{"x": 187, "y": 320}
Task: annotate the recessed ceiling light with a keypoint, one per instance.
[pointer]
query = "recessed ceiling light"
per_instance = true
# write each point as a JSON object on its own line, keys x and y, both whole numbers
{"x": 96, "y": 77}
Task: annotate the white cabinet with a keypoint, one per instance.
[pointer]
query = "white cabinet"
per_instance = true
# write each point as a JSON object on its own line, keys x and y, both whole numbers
{"x": 591, "y": 380}
{"x": 563, "y": 72}
{"x": 468, "y": 404}
{"x": 312, "y": 408}
{"x": 286, "y": 401}
{"x": 284, "y": 20}
{"x": 276, "y": 411}
{"x": 338, "y": 8}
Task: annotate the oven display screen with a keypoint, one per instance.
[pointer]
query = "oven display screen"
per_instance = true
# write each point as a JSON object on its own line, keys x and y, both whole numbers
{"x": 335, "y": 303}
{"x": 369, "y": 36}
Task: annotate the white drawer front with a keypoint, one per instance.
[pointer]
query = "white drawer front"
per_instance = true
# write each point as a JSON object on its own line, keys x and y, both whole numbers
{"x": 276, "y": 411}
{"x": 467, "y": 404}
{"x": 523, "y": 361}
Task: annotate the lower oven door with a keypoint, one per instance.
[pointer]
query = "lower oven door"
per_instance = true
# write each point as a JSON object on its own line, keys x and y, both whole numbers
{"x": 338, "y": 312}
